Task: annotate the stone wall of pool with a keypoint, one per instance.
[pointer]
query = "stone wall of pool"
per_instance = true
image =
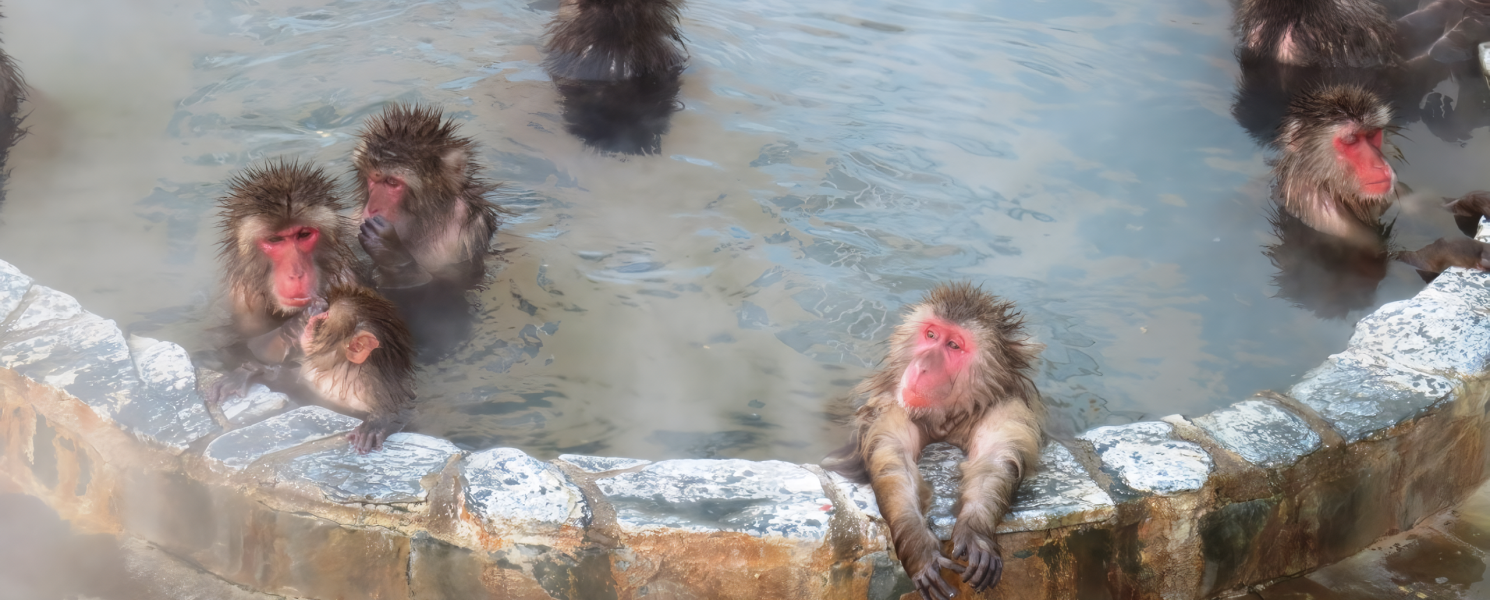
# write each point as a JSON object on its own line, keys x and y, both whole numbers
{"x": 113, "y": 434}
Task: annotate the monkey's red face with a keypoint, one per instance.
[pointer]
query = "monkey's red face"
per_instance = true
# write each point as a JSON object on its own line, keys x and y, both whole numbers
{"x": 385, "y": 192}
{"x": 1361, "y": 150}
{"x": 943, "y": 353}
{"x": 294, "y": 276}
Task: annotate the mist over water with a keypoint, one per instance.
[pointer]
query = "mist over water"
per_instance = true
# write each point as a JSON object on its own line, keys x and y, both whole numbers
{"x": 833, "y": 161}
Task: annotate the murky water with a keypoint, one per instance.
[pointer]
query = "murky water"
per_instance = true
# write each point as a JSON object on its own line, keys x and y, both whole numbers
{"x": 834, "y": 160}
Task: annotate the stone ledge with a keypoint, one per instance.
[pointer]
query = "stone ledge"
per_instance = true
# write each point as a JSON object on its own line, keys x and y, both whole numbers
{"x": 113, "y": 434}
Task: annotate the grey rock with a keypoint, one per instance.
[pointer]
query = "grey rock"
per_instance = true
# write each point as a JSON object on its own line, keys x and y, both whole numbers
{"x": 54, "y": 342}
{"x": 241, "y": 447}
{"x": 255, "y": 405}
{"x": 513, "y": 491}
{"x": 1262, "y": 432}
{"x": 860, "y": 494}
{"x": 1433, "y": 332}
{"x": 13, "y": 286}
{"x": 1058, "y": 493}
{"x": 388, "y": 476}
{"x": 1148, "y": 457}
{"x": 1485, "y": 63}
{"x": 1359, "y": 395}
{"x": 768, "y": 498}
{"x": 601, "y": 464}
{"x": 1470, "y": 286}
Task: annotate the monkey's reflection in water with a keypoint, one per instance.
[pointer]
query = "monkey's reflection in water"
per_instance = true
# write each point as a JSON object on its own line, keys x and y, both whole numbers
{"x": 1326, "y": 274}
{"x": 629, "y": 116}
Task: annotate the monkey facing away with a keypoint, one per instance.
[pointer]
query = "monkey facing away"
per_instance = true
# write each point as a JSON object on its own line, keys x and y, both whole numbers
{"x": 955, "y": 373}
{"x": 284, "y": 243}
{"x": 422, "y": 203}
{"x": 355, "y": 356}
{"x": 1327, "y": 33}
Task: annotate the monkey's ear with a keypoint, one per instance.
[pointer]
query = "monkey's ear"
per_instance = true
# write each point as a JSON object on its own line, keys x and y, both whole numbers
{"x": 455, "y": 160}
{"x": 362, "y": 344}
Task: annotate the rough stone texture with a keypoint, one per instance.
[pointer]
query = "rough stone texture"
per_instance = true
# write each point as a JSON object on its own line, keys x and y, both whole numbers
{"x": 860, "y": 494}
{"x": 241, "y": 447}
{"x": 1148, "y": 457}
{"x": 1059, "y": 493}
{"x": 766, "y": 498}
{"x": 13, "y": 286}
{"x": 1432, "y": 332}
{"x": 1261, "y": 431}
{"x": 388, "y": 476}
{"x": 257, "y": 404}
{"x": 1485, "y": 68}
{"x": 54, "y": 341}
{"x": 506, "y": 486}
{"x": 1359, "y": 396}
{"x": 601, "y": 464}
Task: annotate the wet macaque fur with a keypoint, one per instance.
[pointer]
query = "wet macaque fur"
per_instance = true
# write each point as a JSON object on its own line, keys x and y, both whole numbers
{"x": 422, "y": 204}
{"x": 1331, "y": 170}
{"x": 955, "y": 373}
{"x": 285, "y": 243}
{"x": 612, "y": 40}
{"x": 12, "y": 93}
{"x": 1330, "y": 33}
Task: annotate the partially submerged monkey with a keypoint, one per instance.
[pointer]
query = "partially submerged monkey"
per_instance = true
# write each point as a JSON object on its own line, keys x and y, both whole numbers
{"x": 1327, "y": 33}
{"x": 955, "y": 372}
{"x": 422, "y": 203}
{"x": 1331, "y": 170}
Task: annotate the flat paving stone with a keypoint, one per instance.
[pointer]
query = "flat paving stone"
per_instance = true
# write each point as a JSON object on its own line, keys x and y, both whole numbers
{"x": 257, "y": 404}
{"x": 13, "y": 287}
{"x": 241, "y": 447}
{"x": 1058, "y": 492}
{"x": 766, "y": 498}
{"x": 1434, "y": 332}
{"x": 601, "y": 464}
{"x": 1148, "y": 457}
{"x": 1360, "y": 396}
{"x": 1261, "y": 431}
{"x": 170, "y": 410}
{"x": 509, "y": 489}
{"x": 388, "y": 476}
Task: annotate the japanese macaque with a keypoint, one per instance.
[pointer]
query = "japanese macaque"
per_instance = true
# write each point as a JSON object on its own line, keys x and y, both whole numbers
{"x": 1329, "y": 33}
{"x": 284, "y": 243}
{"x": 1466, "y": 252}
{"x": 12, "y": 93}
{"x": 355, "y": 356}
{"x": 955, "y": 373}
{"x": 617, "y": 66}
{"x": 423, "y": 209}
{"x": 1331, "y": 171}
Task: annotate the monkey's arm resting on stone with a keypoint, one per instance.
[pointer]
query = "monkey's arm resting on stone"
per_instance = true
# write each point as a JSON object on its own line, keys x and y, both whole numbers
{"x": 236, "y": 384}
{"x": 1468, "y": 209}
{"x": 396, "y": 266}
{"x": 893, "y": 442}
{"x": 376, "y": 428}
{"x": 999, "y": 449}
{"x": 1432, "y": 259}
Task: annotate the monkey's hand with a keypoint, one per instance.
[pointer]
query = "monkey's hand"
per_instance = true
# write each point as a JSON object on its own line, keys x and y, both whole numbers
{"x": 396, "y": 265}
{"x": 1468, "y": 209}
{"x": 235, "y": 384}
{"x": 369, "y": 436}
{"x": 985, "y": 561}
{"x": 1442, "y": 254}
{"x": 928, "y": 577}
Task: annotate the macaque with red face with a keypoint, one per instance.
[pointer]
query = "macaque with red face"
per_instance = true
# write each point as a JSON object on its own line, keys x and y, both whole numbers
{"x": 1325, "y": 33}
{"x": 1332, "y": 171}
{"x": 956, "y": 373}
{"x": 423, "y": 208}
{"x": 284, "y": 243}
{"x": 350, "y": 352}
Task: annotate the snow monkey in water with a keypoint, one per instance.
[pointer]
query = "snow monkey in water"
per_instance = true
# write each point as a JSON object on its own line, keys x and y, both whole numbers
{"x": 956, "y": 372}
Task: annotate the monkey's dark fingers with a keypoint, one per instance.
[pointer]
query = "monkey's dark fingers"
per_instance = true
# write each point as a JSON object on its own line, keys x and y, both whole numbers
{"x": 931, "y": 585}
{"x": 989, "y": 569}
{"x": 998, "y": 573}
{"x": 947, "y": 563}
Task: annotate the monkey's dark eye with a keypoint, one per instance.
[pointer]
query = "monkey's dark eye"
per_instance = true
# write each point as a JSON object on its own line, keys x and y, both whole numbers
{"x": 275, "y": 239}
{"x": 303, "y": 233}
{"x": 930, "y": 335}
{"x": 954, "y": 346}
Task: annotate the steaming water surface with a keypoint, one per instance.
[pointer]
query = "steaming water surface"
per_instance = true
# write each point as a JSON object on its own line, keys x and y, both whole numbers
{"x": 834, "y": 160}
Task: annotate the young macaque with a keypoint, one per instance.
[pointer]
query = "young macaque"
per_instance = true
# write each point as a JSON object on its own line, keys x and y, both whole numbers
{"x": 1328, "y": 33}
{"x": 423, "y": 208}
{"x": 612, "y": 40}
{"x": 284, "y": 243}
{"x": 1332, "y": 171}
{"x": 355, "y": 356}
{"x": 956, "y": 373}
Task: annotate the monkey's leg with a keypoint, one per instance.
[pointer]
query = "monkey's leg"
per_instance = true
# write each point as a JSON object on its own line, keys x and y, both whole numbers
{"x": 999, "y": 449}
{"x": 897, "y": 483}
{"x": 395, "y": 264}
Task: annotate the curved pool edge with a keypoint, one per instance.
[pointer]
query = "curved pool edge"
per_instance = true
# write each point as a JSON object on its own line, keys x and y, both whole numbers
{"x": 113, "y": 434}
